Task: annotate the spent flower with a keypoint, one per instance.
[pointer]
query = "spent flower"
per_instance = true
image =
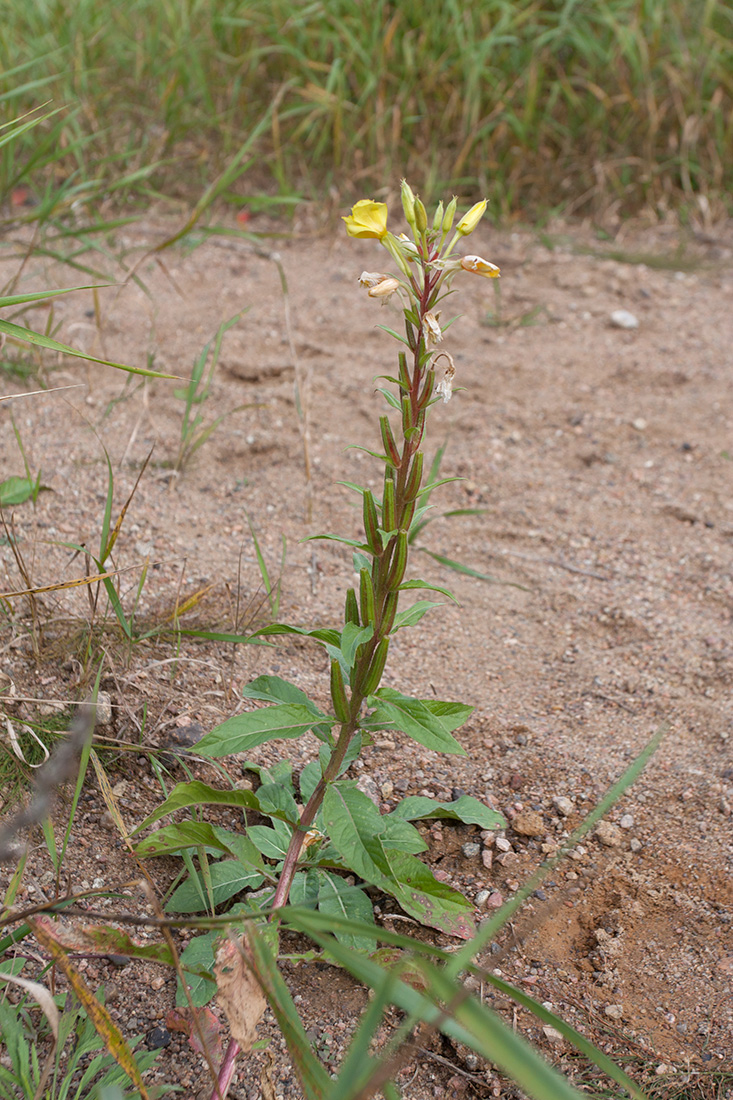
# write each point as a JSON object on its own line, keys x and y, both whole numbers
{"x": 479, "y": 266}
{"x": 431, "y": 328}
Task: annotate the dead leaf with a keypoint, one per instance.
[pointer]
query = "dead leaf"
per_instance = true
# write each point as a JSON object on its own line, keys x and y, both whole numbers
{"x": 239, "y": 993}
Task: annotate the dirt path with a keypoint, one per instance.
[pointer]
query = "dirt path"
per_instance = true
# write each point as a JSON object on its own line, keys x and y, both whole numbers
{"x": 599, "y": 460}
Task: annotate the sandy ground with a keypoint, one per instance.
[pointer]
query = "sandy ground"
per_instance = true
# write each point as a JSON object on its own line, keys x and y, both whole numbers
{"x": 596, "y": 465}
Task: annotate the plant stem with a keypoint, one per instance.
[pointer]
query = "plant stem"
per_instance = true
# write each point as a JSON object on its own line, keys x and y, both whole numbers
{"x": 412, "y": 439}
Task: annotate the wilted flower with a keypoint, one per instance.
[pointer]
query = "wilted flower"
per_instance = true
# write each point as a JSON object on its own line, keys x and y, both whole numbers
{"x": 408, "y": 247}
{"x": 444, "y": 388}
{"x": 385, "y": 288}
{"x": 371, "y": 278}
{"x": 367, "y": 219}
{"x": 480, "y": 267}
{"x": 470, "y": 220}
{"x": 431, "y": 328}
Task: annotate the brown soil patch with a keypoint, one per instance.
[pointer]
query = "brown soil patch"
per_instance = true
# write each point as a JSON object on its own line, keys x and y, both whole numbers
{"x": 601, "y": 461}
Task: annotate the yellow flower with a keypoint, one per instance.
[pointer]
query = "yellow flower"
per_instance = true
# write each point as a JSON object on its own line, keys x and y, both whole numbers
{"x": 480, "y": 267}
{"x": 469, "y": 221}
{"x": 367, "y": 219}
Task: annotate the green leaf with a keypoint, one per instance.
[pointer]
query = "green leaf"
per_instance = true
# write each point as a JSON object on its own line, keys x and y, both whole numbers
{"x": 272, "y": 689}
{"x": 309, "y": 778}
{"x": 257, "y": 727}
{"x": 430, "y": 725}
{"x": 197, "y": 961}
{"x": 228, "y": 877}
{"x": 396, "y": 335}
{"x": 413, "y": 614}
{"x": 28, "y": 336}
{"x": 352, "y": 637}
{"x": 276, "y": 801}
{"x": 466, "y": 809}
{"x": 468, "y": 572}
{"x": 175, "y": 838}
{"x": 304, "y": 890}
{"x": 16, "y": 490}
{"x": 199, "y": 794}
{"x": 402, "y": 839}
{"x": 337, "y": 898}
{"x": 354, "y": 828}
{"x": 272, "y": 842}
{"x": 430, "y": 587}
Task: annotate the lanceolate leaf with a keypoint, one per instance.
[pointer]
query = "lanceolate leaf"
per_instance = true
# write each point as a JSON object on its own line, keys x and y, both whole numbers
{"x": 28, "y": 336}
{"x": 199, "y": 794}
{"x": 273, "y": 689}
{"x": 428, "y": 587}
{"x": 337, "y": 898}
{"x": 466, "y": 809}
{"x": 174, "y": 838}
{"x": 414, "y": 614}
{"x": 256, "y": 727}
{"x": 113, "y": 941}
{"x": 418, "y": 720}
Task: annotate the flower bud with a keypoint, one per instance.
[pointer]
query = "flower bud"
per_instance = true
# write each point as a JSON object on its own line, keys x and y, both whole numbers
{"x": 421, "y": 217}
{"x": 408, "y": 247}
{"x": 479, "y": 266}
{"x": 408, "y": 204}
{"x": 450, "y": 214}
{"x": 469, "y": 221}
{"x": 438, "y": 219}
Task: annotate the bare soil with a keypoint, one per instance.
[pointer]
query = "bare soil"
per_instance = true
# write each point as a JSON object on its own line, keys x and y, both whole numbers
{"x": 596, "y": 466}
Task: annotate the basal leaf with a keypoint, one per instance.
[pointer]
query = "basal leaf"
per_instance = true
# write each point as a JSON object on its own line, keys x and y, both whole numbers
{"x": 199, "y": 794}
{"x": 337, "y": 898}
{"x": 276, "y": 801}
{"x": 466, "y": 809}
{"x": 228, "y": 877}
{"x": 174, "y": 838}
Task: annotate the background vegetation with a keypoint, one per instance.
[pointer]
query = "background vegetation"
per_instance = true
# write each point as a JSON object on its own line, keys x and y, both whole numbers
{"x": 579, "y": 104}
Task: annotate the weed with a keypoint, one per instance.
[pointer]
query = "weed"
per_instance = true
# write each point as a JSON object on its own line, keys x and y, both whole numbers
{"x": 194, "y": 432}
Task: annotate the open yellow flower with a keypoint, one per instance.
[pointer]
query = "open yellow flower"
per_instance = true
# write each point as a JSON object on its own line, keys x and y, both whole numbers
{"x": 367, "y": 219}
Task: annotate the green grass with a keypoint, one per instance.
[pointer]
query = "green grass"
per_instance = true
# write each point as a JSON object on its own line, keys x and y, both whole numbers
{"x": 536, "y": 103}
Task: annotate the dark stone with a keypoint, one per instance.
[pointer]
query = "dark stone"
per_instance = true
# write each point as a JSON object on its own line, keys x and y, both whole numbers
{"x": 157, "y": 1038}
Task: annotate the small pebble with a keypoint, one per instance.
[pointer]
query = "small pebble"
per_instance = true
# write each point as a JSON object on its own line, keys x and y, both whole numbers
{"x": 157, "y": 1038}
{"x": 471, "y": 850}
{"x": 104, "y": 708}
{"x": 367, "y": 786}
{"x": 623, "y": 318}
{"x": 615, "y": 1012}
{"x": 487, "y": 858}
{"x": 494, "y": 900}
{"x": 502, "y": 844}
{"x": 608, "y": 834}
{"x": 540, "y": 895}
{"x": 119, "y": 961}
{"x": 626, "y": 822}
{"x": 529, "y": 823}
{"x": 482, "y": 897}
{"x": 563, "y": 805}
{"x": 635, "y": 844}
{"x": 552, "y": 1035}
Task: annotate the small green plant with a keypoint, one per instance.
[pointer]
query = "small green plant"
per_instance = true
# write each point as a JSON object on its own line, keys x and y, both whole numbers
{"x": 194, "y": 432}
{"x": 75, "y": 1067}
